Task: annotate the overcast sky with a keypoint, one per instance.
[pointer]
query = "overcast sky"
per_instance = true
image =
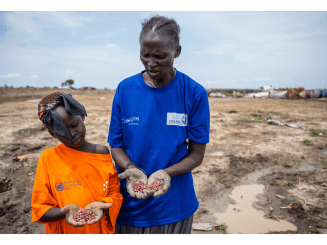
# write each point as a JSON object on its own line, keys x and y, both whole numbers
{"x": 233, "y": 49}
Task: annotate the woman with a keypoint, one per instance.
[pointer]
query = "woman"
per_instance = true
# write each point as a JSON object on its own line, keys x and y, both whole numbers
{"x": 153, "y": 115}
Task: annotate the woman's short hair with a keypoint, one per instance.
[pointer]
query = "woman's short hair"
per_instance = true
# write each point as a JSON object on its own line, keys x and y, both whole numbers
{"x": 162, "y": 24}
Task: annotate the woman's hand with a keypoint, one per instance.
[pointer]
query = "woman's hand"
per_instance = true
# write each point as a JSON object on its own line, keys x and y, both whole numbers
{"x": 163, "y": 178}
{"x": 133, "y": 175}
{"x": 70, "y": 210}
{"x": 98, "y": 208}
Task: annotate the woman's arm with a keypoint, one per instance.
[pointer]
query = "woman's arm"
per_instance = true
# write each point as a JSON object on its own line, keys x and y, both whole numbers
{"x": 188, "y": 163}
{"x": 132, "y": 174}
{"x": 120, "y": 157}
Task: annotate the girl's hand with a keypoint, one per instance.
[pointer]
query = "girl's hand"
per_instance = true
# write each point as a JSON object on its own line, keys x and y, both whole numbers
{"x": 70, "y": 210}
{"x": 163, "y": 178}
{"x": 98, "y": 208}
{"x": 133, "y": 175}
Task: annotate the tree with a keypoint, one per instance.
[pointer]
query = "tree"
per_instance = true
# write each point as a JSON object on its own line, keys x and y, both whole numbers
{"x": 68, "y": 82}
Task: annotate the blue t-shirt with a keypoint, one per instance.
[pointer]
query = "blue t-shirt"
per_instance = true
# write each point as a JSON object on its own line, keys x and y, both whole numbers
{"x": 152, "y": 125}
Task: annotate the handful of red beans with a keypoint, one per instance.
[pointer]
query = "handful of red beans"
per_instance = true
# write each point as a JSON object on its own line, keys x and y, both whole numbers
{"x": 85, "y": 214}
{"x": 138, "y": 186}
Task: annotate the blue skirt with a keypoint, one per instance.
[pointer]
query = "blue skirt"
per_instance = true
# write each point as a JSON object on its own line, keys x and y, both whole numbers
{"x": 180, "y": 227}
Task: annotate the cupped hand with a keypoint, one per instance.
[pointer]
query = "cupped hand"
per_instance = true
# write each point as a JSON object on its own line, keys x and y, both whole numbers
{"x": 133, "y": 175}
{"x": 98, "y": 208}
{"x": 161, "y": 177}
{"x": 70, "y": 210}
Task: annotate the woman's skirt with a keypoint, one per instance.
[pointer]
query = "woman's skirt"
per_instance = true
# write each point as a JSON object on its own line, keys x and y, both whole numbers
{"x": 180, "y": 227}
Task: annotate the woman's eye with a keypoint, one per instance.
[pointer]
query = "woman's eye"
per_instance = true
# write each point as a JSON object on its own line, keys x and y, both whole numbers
{"x": 74, "y": 126}
{"x": 145, "y": 55}
{"x": 161, "y": 57}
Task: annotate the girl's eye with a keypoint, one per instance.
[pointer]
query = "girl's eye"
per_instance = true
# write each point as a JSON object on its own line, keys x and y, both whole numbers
{"x": 144, "y": 55}
{"x": 74, "y": 126}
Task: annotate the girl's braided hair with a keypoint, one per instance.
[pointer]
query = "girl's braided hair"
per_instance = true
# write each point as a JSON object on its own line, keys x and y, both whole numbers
{"x": 50, "y": 98}
{"x": 162, "y": 24}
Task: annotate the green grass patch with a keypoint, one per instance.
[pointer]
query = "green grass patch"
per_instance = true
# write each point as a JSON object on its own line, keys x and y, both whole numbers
{"x": 221, "y": 227}
{"x": 288, "y": 183}
{"x": 306, "y": 141}
{"x": 223, "y": 138}
{"x": 316, "y": 132}
{"x": 258, "y": 119}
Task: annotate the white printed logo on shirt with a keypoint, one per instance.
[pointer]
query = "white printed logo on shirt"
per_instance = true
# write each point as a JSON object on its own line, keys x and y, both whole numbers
{"x": 178, "y": 119}
{"x": 131, "y": 121}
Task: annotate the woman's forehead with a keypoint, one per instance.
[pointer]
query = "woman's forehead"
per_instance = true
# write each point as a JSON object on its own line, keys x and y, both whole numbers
{"x": 156, "y": 38}
{"x": 157, "y": 44}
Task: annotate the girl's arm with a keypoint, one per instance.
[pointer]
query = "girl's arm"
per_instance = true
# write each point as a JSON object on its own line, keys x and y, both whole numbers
{"x": 53, "y": 214}
{"x": 188, "y": 163}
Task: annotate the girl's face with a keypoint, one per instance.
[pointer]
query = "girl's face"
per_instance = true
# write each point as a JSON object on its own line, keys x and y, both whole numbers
{"x": 157, "y": 54}
{"x": 75, "y": 126}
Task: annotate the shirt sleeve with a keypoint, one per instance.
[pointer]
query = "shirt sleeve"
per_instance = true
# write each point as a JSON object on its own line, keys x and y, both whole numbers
{"x": 199, "y": 120}
{"x": 115, "y": 137}
{"x": 42, "y": 198}
{"x": 113, "y": 196}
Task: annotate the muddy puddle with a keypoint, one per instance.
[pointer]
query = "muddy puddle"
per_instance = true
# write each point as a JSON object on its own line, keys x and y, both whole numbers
{"x": 243, "y": 218}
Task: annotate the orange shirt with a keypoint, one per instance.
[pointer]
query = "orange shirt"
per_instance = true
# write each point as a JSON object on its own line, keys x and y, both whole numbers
{"x": 67, "y": 176}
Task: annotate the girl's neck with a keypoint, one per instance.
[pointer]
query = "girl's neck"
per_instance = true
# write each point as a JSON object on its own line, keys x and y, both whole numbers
{"x": 86, "y": 147}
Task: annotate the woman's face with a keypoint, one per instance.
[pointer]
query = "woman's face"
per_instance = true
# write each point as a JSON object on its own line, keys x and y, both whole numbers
{"x": 157, "y": 54}
{"x": 75, "y": 126}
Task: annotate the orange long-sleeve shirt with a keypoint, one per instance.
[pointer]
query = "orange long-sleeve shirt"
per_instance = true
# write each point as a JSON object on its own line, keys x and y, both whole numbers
{"x": 67, "y": 176}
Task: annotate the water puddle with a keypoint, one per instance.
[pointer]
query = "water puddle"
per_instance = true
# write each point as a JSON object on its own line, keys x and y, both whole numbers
{"x": 243, "y": 218}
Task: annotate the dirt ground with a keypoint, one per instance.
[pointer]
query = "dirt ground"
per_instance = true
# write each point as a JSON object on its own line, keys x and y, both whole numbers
{"x": 243, "y": 149}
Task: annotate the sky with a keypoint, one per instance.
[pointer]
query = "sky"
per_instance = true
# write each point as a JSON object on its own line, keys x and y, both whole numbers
{"x": 220, "y": 49}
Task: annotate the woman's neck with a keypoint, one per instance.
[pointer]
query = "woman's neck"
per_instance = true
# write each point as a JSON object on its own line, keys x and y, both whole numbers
{"x": 161, "y": 82}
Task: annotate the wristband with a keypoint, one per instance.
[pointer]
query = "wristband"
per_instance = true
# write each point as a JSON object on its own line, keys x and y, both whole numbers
{"x": 127, "y": 165}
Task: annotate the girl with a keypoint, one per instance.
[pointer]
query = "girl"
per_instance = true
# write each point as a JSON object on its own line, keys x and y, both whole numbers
{"x": 74, "y": 175}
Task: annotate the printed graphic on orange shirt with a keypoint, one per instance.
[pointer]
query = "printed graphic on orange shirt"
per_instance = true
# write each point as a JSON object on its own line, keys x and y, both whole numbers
{"x": 59, "y": 186}
{"x": 67, "y": 185}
